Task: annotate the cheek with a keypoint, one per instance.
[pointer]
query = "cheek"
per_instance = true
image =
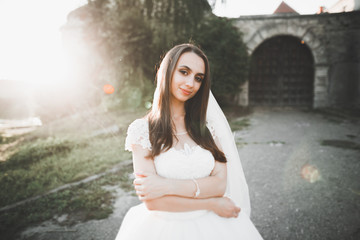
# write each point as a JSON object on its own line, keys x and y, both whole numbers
{"x": 175, "y": 81}
{"x": 174, "y": 84}
{"x": 198, "y": 85}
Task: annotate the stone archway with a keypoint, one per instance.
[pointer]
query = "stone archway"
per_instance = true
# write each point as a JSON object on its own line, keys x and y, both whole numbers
{"x": 282, "y": 73}
{"x": 259, "y": 29}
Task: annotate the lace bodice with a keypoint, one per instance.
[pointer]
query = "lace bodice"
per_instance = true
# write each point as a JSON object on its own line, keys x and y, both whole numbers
{"x": 189, "y": 162}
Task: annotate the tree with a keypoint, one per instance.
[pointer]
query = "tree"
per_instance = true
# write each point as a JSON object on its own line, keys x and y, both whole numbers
{"x": 130, "y": 35}
{"x": 227, "y": 54}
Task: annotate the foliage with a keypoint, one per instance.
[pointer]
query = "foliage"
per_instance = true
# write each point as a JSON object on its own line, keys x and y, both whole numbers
{"x": 129, "y": 36}
{"x": 82, "y": 203}
{"x": 62, "y": 152}
{"x": 31, "y": 153}
{"x": 227, "y": 55}
{"x": 239, "y": 124}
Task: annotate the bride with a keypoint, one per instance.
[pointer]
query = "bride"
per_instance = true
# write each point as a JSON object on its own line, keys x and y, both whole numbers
{"x": 187, "y": 168}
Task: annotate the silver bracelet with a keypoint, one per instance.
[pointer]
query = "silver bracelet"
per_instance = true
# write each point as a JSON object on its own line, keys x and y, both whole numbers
{"x": 197, "y": 193}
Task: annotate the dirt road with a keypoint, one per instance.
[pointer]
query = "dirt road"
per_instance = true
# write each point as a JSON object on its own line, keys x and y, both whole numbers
{"x": 303, "y": 172}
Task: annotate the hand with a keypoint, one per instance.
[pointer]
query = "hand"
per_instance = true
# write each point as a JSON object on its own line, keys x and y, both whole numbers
{"x": 150, "y": 186}
{"x": 225, "y": 207}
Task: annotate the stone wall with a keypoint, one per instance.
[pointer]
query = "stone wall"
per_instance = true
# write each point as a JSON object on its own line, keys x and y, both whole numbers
{"x": 334, "y": 40}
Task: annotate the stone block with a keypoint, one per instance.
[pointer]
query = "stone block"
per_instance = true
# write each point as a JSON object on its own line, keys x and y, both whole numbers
{"x": 320, "y": 103}
{"x": 252, "y": 45}
{"x": 270, "y": 31}
{"x": 321, "y": 71}
{"x": 321, "y": 81}
{"x": 296, "y": 30}
{"x": 257, "y": 38}
{"x": 319, "y": 89}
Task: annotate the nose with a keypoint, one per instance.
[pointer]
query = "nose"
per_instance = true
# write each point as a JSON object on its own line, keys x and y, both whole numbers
{"x": 190, "y": 82}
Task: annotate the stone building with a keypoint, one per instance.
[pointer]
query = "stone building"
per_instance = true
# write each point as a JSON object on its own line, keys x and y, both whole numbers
{"x": 302, "y": 60}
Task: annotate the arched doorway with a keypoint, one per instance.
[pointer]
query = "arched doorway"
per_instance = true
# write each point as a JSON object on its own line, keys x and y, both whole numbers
{"x": 281, "y": 73}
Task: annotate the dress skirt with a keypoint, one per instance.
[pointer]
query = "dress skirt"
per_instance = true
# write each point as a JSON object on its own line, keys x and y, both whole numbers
{"x": 139, "y": 224}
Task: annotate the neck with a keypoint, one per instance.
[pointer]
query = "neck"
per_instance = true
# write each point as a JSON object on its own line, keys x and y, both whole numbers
{"x": 177, "y": 109}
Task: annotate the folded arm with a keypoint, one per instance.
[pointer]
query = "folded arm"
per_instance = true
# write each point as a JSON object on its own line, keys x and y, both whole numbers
{"x": 222, "y": 206}
{"x": 149, "y": 185}
{"x": 177, "y": 195}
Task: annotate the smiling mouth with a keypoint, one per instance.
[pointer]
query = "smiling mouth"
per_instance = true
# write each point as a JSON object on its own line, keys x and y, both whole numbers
{"x": 185, "y": 92}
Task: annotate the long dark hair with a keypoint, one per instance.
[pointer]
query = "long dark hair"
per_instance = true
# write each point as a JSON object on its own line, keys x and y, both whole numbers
{"x": 160, "y": 125}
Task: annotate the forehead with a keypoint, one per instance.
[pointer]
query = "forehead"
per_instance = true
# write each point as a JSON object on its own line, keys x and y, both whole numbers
{"x": 193, "y": 61}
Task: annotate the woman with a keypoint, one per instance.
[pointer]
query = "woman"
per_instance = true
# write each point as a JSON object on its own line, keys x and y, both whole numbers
{"x": 188, "y": 173}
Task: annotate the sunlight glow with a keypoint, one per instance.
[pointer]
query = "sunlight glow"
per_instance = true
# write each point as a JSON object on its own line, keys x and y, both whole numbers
{"x": 30, "y": 45}
{"x": 310, "y": 173}
{"x": 108, "y": 89}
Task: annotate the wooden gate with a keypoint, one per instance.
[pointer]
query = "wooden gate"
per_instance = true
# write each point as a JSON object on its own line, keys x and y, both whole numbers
{"x": 281, "y": 73}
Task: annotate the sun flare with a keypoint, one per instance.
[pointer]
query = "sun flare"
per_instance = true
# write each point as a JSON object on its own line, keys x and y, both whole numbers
{"x": 31, "y": 47}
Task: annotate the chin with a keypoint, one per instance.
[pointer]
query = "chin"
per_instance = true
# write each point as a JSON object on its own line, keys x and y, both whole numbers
{"x": 182, "y": 98}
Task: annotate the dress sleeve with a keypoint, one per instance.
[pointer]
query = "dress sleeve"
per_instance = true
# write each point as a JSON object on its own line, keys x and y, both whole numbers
{"x": 138, "y": 133}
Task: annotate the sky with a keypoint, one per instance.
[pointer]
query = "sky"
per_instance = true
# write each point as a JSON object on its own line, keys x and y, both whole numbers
{"x": 30, "y": 40}
{"x": 236, "y": 8}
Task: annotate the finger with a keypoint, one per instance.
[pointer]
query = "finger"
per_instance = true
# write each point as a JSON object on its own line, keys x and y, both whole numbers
{"x": 140, "y": 174}
{"x": 139, "y": 187}
{"x": 141, "y": 197}
{"x": 138, "y": 181}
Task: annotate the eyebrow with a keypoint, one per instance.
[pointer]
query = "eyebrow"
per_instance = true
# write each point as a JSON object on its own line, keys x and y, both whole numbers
{"x": 184, "y": 66}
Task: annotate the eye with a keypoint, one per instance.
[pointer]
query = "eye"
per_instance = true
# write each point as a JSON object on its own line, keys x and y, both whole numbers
{"x": 198, "y": 79}
{"x": 184, "y": 72}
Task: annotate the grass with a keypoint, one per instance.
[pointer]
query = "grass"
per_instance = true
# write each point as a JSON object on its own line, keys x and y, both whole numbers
{"x": 344, "y": 144}
{"x": 239, "y": 124}
{"x": 81, "y": 203}
{"x": 60, "y": 152}
{"x": 46, "y": 164}
{"x": 4, "y": 140}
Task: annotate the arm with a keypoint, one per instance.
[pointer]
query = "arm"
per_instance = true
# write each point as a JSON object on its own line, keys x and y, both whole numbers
{"x": 179, "y": 204}
{"x": 221, "y": 205}
{"x": 149, "y": 185}
{"x": 212, "y": 186}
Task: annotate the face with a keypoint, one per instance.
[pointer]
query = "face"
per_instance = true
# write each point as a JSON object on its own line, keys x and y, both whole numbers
{"x": 187, "y": 77}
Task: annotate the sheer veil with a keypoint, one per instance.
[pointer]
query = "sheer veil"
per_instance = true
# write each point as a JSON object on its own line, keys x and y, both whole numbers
{"x": 237, "y": 188}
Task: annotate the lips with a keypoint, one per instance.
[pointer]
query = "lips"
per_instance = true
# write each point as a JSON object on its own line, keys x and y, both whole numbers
{"x": 185, "y": 92}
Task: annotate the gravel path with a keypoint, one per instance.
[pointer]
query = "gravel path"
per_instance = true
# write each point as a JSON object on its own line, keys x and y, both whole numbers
{"x": 303, "y": 172}
{"x": 301, "y": 189}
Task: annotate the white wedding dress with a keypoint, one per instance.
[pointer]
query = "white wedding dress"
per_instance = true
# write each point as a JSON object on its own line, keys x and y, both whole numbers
{"x": 189, "y": 162}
